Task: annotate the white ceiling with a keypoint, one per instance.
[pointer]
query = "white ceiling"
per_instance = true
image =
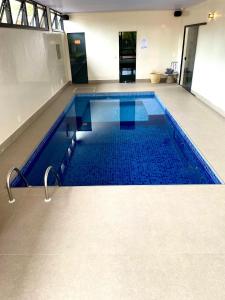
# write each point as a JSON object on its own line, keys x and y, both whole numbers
{"x": 70, "y": 6}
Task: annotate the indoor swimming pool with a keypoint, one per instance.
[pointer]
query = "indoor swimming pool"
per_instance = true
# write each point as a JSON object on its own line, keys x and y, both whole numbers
{"x": 117, "y": 139}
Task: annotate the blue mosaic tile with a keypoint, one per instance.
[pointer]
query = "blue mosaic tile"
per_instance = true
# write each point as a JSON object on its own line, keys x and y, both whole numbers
{"x": 129, "y": 139}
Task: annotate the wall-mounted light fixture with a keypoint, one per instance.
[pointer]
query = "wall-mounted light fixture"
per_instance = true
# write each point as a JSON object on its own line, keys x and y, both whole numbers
{"x": 212, "y": 16}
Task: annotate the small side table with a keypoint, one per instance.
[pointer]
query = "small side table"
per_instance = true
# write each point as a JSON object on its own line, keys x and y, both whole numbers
{"x": 171, "y": 78}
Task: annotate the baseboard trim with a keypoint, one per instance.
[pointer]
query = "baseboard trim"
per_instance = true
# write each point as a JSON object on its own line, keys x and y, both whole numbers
{"x": 30, "y": 120}
{"x": 103, "y": 81}
{"x": 142, "y": 80}
{"x": 115, "y": 81}
{"x": 209, "y": 104}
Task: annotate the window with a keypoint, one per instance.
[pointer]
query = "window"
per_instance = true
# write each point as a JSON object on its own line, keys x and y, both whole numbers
{"x": 21, "y": 18}
{"x": 31, "y": 14}
{"x": 26, "y": 13}
{"x": 5, "y": 12}
{"x": 56, "y": 20}
{"x": 15, "y": 10}
{"x": 43, "y": 16}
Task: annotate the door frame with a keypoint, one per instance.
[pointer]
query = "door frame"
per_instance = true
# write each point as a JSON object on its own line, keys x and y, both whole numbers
{"x": 183, "y": 46}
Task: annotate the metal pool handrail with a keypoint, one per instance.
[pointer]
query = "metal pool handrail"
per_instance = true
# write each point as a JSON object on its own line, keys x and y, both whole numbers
{"x": 50, "y": 169}
{"x": 8, "y": 186}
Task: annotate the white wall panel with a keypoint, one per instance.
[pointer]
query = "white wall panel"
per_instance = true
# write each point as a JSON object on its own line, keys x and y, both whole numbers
{"x": 30, "y": 74}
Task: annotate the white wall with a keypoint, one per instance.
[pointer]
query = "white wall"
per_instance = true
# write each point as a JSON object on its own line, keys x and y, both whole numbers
{"x": 30, "y": 74}
{"x": 165, "y": 35}
{"x": 102, "y": 40}
{"x": 208, "y": 79}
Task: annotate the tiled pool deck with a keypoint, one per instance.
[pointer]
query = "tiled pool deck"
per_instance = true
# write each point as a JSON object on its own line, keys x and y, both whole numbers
{"x": 146, "y": 242}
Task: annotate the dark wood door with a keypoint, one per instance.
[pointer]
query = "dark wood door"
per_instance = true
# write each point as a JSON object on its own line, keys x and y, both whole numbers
{"x": 78, "y": 57}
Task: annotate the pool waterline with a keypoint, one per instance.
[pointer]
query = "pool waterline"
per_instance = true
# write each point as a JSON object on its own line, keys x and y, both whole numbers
{"x": 122, "y": 139}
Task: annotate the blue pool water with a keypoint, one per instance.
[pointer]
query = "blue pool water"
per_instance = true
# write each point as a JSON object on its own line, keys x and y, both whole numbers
{"x": 117, "y": 139}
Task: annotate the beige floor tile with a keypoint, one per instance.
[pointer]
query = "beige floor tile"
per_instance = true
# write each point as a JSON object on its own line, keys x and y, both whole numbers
{"x": 118, "y": 221}
{"x": 146, "y": 242}
{"x": 113, "y": 277}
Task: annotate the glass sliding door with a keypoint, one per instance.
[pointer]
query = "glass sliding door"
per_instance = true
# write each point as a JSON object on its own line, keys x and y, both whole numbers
{"x": 127, "y": 52}
{"x": 190, "y": 42}
{"x": 189, "y": 59}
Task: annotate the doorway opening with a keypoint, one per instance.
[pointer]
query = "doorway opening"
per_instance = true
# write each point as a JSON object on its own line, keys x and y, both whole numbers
{"x": 190, "y": 42}
{"x": 127, "y": 54}
{"x": 78, "y": 57}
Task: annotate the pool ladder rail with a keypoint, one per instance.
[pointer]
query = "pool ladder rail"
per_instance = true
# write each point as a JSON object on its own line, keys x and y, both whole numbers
{"x": 8, "y": 183}
{"x": 49, "y": 170}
